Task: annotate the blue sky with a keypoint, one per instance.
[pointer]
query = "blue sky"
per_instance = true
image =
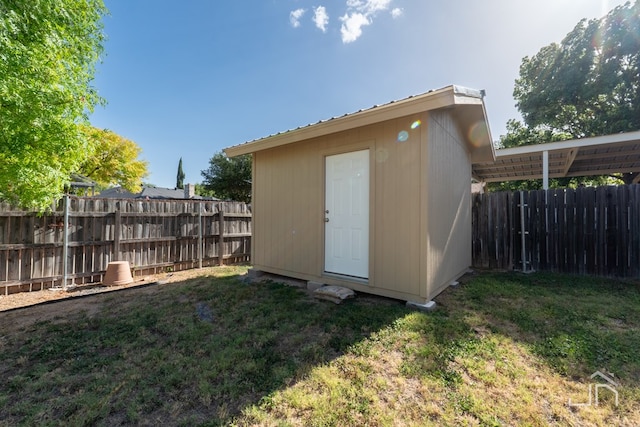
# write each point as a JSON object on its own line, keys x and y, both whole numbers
{"x": 187, "y": 79}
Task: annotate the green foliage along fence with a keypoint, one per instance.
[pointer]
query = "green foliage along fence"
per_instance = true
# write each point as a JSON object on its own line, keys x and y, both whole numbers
{"x": 152, "y": 235}
{"x": 588, "y": 230}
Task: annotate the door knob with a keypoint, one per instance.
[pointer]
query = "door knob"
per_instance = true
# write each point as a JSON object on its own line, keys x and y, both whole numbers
{"x": 326, "y": 220}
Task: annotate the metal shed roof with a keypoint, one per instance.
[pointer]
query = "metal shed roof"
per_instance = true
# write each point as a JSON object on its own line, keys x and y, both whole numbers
{"x": 600, "y": 155}
{"x": 467, "y": 104}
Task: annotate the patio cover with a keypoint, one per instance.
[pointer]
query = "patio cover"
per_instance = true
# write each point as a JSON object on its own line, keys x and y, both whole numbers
{"x": 600, "y": 155}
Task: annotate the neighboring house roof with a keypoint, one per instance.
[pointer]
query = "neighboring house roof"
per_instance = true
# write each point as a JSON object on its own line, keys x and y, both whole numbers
{"x": 117, "y": 193}
{"x": 469, "y": 112}
{"x": 162, "y": 193}
{"x": 600, "y": 155}
{"x": 149, "y": 192}
{"x": 78, "y": 180}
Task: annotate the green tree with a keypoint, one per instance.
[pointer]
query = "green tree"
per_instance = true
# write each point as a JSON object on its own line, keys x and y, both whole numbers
{"x": 48, "y": 52}
{"x": 588, "y": 85}
{"x": 180, "y": 176}
{"x": 518, "y": 135}
{"x": 112, "y": 160}
{"x": 229, "y": 178}
{"x": 201, "y": 190}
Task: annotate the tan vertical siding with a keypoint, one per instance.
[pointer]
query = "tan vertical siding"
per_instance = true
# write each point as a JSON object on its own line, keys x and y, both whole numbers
{"x": 420, "y": 199}
{"x": 289, "y": 196}
{"x": 448, "y": 203}
{"x": 307, "y": 210}
{"x": 259, "y": 190}
{"x": 287, "y": 189}
{"x": 397, "y": 189}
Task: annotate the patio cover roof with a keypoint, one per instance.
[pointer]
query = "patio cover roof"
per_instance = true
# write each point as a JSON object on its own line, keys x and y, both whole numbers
{"x": 600, "y": 155}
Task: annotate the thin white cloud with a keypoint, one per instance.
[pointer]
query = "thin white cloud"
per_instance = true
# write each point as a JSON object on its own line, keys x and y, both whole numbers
{"x": 368, "y": 7}
{"x": 373, "y": 6}
{"x": 352, "y": 25}
{"x": 321, "y": 18}
{"x": 360, "y": 13}
{"x": 294, "y": 17}
{"x": 396, "y": 13}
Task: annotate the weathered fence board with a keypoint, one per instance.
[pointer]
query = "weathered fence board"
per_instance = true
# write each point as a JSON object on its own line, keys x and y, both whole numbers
{"x": 582, "y": 231}
{"x": 152, "y": 235}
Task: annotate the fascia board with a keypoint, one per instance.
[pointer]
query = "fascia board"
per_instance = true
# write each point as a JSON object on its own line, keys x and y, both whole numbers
{"x": 430, "y": 101}
{"x": 573, "y": 143}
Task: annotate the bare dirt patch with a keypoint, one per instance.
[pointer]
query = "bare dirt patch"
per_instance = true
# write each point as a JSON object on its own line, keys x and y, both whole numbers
{"x": 13, "y": 312}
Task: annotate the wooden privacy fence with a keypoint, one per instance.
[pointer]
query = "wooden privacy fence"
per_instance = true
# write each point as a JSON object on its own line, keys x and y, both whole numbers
{"x": 588, "y": 230}
{"x": 75, "y": 243}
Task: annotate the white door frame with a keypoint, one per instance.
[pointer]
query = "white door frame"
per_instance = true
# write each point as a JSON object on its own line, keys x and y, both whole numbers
{"x": 347, "y": 201}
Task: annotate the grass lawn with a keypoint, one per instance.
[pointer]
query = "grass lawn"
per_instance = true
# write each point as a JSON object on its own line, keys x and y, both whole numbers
{"x": 501, "y": 349}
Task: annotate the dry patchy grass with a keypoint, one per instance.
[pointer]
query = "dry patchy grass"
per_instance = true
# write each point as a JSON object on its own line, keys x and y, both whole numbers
{"x": 503, "y": 349}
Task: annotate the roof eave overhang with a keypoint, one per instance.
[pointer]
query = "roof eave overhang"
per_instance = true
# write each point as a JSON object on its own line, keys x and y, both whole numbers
{"x": 450, "y": 96}
{"x": 471, "y": 116}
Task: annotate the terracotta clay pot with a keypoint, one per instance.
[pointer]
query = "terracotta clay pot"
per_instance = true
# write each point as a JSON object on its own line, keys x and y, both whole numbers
{"x": 118, "y": 273}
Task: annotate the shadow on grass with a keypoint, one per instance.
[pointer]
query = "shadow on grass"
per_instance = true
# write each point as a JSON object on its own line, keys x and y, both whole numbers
{"x": 187, "y": 353}
{"x": 205, "y": 350}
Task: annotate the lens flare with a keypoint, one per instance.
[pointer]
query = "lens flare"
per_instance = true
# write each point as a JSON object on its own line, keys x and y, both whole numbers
{"x": 478, "y": 133}
{"x": 382, "y": 155}
{"x": 403, "y": 135}
{"x": 416, "y": 124}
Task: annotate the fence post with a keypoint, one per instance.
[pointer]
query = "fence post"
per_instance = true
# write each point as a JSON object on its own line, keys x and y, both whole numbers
{"x": 65, "y": 243}
{"x": 116, "y": 235}
{"x": 221, "y": 234}
{"x": 200, "y": 249}
{"x": 523, "y": 246}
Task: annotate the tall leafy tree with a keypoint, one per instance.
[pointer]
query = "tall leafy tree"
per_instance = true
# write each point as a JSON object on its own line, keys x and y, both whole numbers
{"x": 48, "y": 52}
{"x": 180, "y": 176}
{"x": 588, "y": 85}
{"x": 201, "y": 190}
{"x": 229, "y": 178}
{"x": 112, "y": 160}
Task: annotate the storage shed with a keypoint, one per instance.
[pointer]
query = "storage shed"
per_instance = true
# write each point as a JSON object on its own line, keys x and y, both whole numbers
{"x": 378, "y": 201}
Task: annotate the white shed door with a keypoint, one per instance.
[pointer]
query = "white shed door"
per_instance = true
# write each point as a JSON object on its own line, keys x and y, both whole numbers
{"x": 347, "y": 214}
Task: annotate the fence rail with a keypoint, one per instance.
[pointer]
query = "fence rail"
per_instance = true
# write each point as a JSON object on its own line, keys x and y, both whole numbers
{"x": 74, "y": 243}
{"x": 586, "y": 230}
